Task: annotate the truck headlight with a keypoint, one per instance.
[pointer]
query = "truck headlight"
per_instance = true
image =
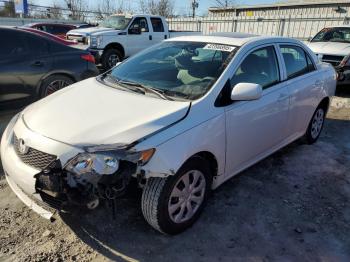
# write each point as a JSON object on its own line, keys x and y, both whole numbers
{"x": 95, "y": 41}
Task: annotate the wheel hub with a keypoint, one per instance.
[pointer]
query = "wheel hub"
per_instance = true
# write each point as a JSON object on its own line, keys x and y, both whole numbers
{"x": 187, "y": 196}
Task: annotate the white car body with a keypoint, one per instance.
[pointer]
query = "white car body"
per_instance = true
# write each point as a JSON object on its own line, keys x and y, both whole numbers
{"x": 235, "y": 136}
{"x": 335, "y": 53}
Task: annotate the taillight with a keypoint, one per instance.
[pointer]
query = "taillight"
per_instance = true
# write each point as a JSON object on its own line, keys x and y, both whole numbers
{"x": 88, "y": 57}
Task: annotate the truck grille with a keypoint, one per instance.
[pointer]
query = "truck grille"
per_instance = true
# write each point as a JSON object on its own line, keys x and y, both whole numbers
{"x": 33, "y": 157}
{"x": 332, "y": 59}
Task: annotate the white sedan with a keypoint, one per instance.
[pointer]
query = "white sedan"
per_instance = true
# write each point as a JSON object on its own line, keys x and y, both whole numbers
{"x": 180, "y": 118}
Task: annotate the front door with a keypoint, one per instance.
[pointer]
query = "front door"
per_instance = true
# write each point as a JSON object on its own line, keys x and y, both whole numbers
{"x": 139, "y": 36}
{"x": 255, "y": 127}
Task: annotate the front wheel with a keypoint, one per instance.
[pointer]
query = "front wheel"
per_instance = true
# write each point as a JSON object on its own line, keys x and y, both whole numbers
{"x": 173, "y": 204}
{"x": 110, "y": 58}
{"x": 315, "y": 126}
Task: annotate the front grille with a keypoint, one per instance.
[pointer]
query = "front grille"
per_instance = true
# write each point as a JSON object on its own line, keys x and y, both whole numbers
{"x": 332, "y": 59}
{"x": 33, "y": 157}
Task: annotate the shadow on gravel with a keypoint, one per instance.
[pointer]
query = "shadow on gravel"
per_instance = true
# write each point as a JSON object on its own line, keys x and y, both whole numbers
{"x": 294, "y": 205}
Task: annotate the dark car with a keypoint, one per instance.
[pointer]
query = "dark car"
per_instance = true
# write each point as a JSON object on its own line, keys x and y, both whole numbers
{"x": 59, "y": 30}
{"x": 33, "y": 66}
{"x": 46, "y": 34}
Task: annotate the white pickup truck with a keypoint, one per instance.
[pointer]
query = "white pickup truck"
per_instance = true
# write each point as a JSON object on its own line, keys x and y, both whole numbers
{"x": 121, "y": 36}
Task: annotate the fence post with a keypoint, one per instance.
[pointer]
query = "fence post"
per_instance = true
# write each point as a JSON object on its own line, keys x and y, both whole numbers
{"x": 199, "y": 25}
{"x": 233, "y": 25}
{"x": 281, "y": 25}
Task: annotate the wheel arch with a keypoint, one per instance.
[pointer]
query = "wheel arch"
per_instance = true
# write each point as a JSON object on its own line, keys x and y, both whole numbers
{"x": 54, "y": 73}
{"x": 325, "y": 102}
{"x": 117, "y": 46}
{"x": 210, "y": 157}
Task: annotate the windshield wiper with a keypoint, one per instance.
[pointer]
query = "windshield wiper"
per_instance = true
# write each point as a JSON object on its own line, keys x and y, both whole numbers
{"x": 116, "y": 83}
{"x": 144, "y": 89}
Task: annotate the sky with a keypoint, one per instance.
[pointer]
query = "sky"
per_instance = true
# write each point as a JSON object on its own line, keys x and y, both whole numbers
{"x": 182, "y": 7}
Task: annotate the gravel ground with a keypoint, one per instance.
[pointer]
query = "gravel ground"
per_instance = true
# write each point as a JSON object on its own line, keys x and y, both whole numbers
{"x": 292, "y": 206}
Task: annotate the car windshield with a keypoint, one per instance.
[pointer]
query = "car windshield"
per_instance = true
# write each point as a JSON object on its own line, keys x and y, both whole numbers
{"x": 180, "y": 70}
{"x": 339, "y": 34}
{"x": 116, "y": 22}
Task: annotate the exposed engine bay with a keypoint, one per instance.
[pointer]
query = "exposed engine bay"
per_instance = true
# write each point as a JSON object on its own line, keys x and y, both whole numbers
{"x": 89, "y": 178}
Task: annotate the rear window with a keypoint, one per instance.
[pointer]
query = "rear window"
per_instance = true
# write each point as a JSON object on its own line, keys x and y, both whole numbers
{"x": 157, "y": 24}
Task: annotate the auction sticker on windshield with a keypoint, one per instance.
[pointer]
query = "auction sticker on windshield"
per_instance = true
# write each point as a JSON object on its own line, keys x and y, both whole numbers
{"x": 226, "y": 48}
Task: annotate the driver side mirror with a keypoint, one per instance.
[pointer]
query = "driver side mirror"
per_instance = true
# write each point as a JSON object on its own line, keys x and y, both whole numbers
{"x": 134, "y": 31}
{"x": 246, "y": 91}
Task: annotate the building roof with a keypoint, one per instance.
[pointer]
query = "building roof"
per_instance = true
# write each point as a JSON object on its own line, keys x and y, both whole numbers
{"x": 290, "y": 3}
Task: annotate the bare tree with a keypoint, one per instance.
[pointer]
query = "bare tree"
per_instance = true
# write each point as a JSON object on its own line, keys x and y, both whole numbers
{"x": 225, "y": 3}
{"x": 8, "y": 9}
{"x": 108, "y": 7}
{"x": 55, "y": 12}
{"x": 157, "y": 7}
{"x": 77, "y": 9}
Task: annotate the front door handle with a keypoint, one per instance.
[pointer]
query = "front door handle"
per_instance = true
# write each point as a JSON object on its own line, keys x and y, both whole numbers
{"x": 150, "y": 37}
{"x": 37, "y": 63}
{"x": 282, "y": 97}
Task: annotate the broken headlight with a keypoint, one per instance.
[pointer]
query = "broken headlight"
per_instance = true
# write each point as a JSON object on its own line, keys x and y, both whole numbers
{"x": 106, "y": 163}
{"x": 100, "y": 163}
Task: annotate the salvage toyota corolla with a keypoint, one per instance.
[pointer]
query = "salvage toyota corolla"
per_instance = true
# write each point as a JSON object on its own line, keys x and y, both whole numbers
{"x": 179, "y": 118}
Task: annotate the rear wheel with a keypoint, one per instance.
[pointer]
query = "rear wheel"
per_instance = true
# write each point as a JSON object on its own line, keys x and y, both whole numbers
{"x": 316, "y": 125}
{"x": 173, "y": 204}
{"x": 54, "y": 83}
{"x": 110, "y": 58}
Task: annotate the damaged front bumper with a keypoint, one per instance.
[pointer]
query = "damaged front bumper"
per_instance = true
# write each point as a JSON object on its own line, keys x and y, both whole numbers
{"x": 46, "y": 188}
{"x": 343, "y": 75}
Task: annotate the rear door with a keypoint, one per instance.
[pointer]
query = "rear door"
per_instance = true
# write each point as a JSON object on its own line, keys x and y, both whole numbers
{"x": 158, "y": 28}
{"x": 138, "y": 42}
{"x": 304, "y": 84}
{"x": 24, "y": 61}
{"x": 255, "y": 128}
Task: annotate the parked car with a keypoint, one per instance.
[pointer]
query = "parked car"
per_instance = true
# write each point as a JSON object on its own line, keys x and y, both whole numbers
{"x": 332, "y": 45}
{"x": 33, "y": 66}
{"x": 56, "y": 29}
{"x": 51, "y": 36}
{"x": 181, "y": 118}
{"x": 120, "y": 36}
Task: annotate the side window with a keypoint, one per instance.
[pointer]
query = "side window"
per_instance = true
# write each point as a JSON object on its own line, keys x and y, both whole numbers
{"x": 157, "y": 24}
{"x": 295, "y": 60}
{"x": 140, "y": 22}
{"x": 12, "y": 44}
{"x": 259, "y": 67}
{"x": 37, "y": 45}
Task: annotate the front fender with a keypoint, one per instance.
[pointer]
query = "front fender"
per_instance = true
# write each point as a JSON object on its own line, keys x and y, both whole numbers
{"x": 172, "y": 154}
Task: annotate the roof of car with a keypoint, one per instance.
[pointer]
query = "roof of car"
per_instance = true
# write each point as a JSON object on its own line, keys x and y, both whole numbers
{"x": 235, "y": 39}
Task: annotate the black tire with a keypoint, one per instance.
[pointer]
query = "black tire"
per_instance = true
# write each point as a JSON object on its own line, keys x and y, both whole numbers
{"x": 54, "y": 83}
{"x": 157, "y": 193}
{"x": 311, "y": 135}
{"x": 107, "y": 58}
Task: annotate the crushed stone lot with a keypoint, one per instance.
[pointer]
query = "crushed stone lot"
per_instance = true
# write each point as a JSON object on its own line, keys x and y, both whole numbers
{"x": 292, "y": 206}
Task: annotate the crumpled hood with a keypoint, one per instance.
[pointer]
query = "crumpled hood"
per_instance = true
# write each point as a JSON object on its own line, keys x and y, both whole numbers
{"x": 91, "y": 30}
{"x": 91, "y": 113}
{"x": 332, "y": 48}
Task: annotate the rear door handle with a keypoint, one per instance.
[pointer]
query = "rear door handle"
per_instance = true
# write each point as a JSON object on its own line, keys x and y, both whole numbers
{"x": 37, "y": 63}
{"x": 150, "y": 37}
